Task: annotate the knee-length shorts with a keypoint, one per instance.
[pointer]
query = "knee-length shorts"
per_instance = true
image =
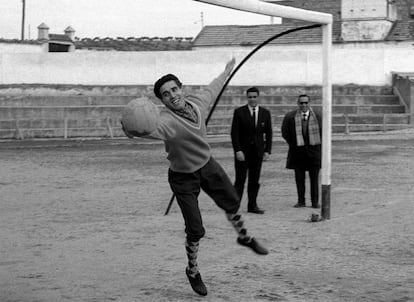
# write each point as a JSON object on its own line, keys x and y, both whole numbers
{"x": 213, "y": 180}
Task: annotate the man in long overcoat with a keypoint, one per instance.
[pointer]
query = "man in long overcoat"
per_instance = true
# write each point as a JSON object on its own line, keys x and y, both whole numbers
{"x": 302, "y": 130}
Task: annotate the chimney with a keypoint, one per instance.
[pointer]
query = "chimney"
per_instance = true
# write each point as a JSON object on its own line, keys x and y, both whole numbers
{"x": 369, "y": 20}
{"x": 411, "y": 8}
{"x": 70, "y": 32}
{"x": 43, "y": 32}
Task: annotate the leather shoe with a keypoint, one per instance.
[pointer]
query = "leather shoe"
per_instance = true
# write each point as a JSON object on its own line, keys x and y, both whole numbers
{"x": 316, "y": 206}
{"x": 196, "y": 283}
{"x": 253, "y": 244}
{"x": 256, "y": 210}
{"x": 299, "y": 205}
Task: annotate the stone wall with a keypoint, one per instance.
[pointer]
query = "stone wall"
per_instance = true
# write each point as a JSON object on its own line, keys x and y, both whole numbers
{"x": 351, "y": 64}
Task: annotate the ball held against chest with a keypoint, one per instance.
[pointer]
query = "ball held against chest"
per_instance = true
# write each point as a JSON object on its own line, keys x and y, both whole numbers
{"x": 140, "y": 117}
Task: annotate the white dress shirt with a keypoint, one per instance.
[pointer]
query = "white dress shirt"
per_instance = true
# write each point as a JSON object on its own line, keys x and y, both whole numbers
{"x": 251, "y": 112}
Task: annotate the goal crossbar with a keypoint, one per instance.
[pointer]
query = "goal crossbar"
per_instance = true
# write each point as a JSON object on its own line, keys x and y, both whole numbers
{"x": 274, "y": 10}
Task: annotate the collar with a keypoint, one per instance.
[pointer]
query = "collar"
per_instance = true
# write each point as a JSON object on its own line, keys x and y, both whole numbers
{"x": 251, "y": 109}
{"x": 191, "y": 117}
{"x": 187, "y": 108}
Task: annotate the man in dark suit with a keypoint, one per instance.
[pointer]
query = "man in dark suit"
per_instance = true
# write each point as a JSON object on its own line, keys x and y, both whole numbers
{"x": 251, "y": 136}
{"x": 302, "y": 130}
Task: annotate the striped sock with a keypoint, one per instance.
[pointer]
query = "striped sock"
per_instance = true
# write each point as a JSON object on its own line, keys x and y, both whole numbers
{"x": 238, "y": 224}
{"x": 191, "y": 247}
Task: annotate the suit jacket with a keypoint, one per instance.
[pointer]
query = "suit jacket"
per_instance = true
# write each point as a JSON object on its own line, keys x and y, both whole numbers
{"x": 300, "y": 156}
{"x": 244, "y": 134}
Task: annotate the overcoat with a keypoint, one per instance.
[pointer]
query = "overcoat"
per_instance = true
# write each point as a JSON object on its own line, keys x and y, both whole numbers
{"x": 300, "y": 156}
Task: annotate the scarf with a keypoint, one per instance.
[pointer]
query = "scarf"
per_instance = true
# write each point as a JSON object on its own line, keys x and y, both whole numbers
{"x": 188, "y": 113}
{"x": 313, "y": 129}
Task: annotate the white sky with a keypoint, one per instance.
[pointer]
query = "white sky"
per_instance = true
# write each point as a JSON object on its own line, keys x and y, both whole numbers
{"x": 118, "y": 18}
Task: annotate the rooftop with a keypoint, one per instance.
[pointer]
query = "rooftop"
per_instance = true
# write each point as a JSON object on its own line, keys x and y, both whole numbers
{"x": 135, "y": 44}
{"x": 232, "y": 35}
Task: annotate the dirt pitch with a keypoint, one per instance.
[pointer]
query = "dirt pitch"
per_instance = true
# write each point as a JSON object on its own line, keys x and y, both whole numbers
{"x": 83, "y": 221}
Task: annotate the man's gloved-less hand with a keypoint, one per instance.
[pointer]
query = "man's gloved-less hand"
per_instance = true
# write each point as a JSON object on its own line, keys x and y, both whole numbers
{"x": 240, "y": 156}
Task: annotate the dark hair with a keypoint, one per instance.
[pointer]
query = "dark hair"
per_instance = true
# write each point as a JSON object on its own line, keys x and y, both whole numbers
{"x": 252, "y": 89}
{"x": 161, "y": 81}
{"x": 304, "y": 96}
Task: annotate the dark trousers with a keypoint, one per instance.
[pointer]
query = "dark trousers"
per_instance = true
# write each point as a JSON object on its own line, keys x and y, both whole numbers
{"x": 250, "y": 168}
{"x": 213, "y": 180}
{"x": 300, "y": 174}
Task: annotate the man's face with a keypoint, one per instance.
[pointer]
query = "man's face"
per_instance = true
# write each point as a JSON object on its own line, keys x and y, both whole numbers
{"x": 303, "y": 103}
{"x": 172, "y": 96}
{"x": 252, "y": 98}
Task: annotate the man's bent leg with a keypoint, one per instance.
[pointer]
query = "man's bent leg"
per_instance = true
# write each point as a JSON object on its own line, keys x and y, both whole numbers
{"x": 186, "y": 187}
{"x": 217, "y": 185}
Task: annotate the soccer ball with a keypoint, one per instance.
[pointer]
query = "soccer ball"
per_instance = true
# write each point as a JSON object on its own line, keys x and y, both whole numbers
{"x": 140, "y": 117}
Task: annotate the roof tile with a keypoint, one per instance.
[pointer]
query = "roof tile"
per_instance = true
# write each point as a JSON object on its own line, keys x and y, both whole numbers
{"x": 232, "y": 35}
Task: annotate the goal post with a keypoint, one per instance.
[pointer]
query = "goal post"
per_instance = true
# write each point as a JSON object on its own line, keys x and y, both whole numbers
{"x": 326, "y": 120}
{"x": 276, "y": 10}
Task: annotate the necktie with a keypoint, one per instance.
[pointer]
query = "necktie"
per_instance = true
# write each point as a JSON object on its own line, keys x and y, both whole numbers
{"x": 254, "y": 117}
{"x": 305, "y": 127}
{"x": 305, "y": 117}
